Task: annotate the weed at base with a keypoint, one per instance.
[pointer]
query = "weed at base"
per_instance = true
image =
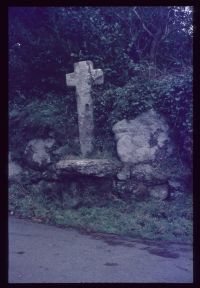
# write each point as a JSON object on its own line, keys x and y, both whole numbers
{"x": 150, "y": 219}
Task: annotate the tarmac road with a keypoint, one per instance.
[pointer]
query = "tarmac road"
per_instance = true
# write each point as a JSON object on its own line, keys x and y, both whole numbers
{"x": 41, "y": 253}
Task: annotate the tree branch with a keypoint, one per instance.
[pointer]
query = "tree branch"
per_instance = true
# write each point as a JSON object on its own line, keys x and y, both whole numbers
{"x": 143, "y": 25}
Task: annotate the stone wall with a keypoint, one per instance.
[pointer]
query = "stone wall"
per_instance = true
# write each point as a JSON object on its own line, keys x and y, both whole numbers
{"x": 148, "y": 165}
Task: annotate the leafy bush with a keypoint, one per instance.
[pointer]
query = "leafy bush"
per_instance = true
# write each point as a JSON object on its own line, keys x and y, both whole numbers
{"x": 42, "y": 119}
{"x": 170, "y": 95}
{"x": 175, "y": 102}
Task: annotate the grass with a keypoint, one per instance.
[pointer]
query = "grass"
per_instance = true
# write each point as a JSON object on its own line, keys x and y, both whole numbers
{"x": 149, "y": 219}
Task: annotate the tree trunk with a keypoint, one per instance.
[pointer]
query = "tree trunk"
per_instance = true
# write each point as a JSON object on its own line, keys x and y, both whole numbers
{"x": 153, "y": 51}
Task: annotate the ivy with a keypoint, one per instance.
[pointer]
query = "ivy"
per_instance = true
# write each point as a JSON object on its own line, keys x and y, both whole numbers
{"x": 44, "y": 43}
{"x": 171, "y": 96}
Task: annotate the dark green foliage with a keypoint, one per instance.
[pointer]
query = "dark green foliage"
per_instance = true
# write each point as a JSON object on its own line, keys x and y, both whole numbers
{"x": 45, "y": 42}
{"x": 145, "y": 53}
{"x": 43, "y": 119}
{"x": 170, "y": 95}
{"x": 175, "y": 102}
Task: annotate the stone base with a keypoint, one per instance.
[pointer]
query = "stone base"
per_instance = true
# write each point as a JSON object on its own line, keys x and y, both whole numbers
{"x": 90, "y": 167}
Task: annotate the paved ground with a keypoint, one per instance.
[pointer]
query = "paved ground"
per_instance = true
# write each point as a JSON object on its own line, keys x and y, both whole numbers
{"x": 40, "y": 253}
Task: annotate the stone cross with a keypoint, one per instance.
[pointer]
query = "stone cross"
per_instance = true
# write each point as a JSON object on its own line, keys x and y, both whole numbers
{"x": 83, "y": 77}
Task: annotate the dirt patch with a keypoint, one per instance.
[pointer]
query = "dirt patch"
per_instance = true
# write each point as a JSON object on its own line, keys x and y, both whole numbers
{"x": 20, "y": 252}
{"x": 111, "y": 264}
{"x": 116, "y": 243}
{"x": 115, "y": 239}
{"x": 163, "y": 253}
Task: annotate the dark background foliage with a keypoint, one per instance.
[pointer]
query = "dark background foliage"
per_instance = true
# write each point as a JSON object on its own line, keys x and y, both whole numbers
{"x": 145, "y": 53}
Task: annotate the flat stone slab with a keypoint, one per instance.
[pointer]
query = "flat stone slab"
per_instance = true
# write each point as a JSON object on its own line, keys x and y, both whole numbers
{"x": 93, "y": 167}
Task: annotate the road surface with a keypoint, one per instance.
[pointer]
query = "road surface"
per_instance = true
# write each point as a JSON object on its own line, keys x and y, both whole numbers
{"x": 41, "y": 253}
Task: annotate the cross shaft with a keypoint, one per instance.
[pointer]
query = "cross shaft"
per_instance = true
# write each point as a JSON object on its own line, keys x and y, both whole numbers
{"x": 83, "y": 78}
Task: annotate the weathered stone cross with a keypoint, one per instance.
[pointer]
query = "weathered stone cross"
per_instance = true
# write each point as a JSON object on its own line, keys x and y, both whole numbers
{"x": 83, "y": 78}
